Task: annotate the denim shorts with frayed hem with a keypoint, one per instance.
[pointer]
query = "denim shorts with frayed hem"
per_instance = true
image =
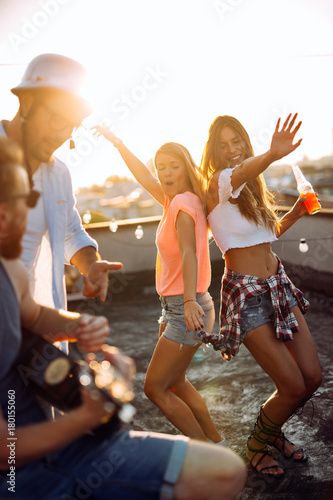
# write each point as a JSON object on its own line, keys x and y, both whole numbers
{"x": 173, "y": 316}
{"x": 258, "y": 310}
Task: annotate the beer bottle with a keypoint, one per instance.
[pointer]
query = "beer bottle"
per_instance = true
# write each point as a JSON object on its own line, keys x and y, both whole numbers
{"x": 306, "y": 190}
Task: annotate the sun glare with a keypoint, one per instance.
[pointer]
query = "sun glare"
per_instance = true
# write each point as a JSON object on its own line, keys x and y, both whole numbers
{"x": 162, "y": 71}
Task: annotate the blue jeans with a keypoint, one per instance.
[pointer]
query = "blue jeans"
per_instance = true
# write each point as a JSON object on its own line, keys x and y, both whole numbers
{"x": 129, "y": 465}
{"x": 173, "y": 316}
{"x": 258, "y": 310}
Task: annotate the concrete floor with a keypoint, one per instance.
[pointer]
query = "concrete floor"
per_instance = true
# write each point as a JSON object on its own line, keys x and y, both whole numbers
{"x": 234, "y": 390}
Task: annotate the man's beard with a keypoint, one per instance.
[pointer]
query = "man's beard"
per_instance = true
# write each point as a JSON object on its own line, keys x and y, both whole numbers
{"x": 11, "y": 246}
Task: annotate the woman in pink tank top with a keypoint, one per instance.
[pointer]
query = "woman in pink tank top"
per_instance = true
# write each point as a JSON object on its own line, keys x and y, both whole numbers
{"x": 260, "y": 306}
{"x": 182, "y": 279}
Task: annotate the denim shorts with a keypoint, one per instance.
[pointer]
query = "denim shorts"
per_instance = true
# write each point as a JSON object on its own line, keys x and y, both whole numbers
{"x": 258, "y": 310}
{"x": 135, "y": 465}
{"x": 173, "y": 316}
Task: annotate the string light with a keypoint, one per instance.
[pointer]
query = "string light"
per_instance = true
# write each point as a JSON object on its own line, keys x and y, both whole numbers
{"x": 139, "y": 232}
{"x": 303, "y": 246}
{"x": 307, "y": 239}
{"x": 86, "y": 217}
{"x": 113, "y": 226}
{"x": 303, "y": 243}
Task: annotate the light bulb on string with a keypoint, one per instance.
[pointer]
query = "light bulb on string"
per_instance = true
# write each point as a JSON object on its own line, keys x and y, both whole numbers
{"x": 113, "y": 226}
{"x": 86, "y": 217}
{"x": 139, "y": 232}
{"x": 303, "y": 246}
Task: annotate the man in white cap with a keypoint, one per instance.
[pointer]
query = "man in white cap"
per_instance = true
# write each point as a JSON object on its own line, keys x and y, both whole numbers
{"x": 51, "y": 107}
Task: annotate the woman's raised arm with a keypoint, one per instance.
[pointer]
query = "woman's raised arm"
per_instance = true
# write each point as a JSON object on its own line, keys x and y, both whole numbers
{"x": 137, "y": 168}
{"x": 281, "y": 145}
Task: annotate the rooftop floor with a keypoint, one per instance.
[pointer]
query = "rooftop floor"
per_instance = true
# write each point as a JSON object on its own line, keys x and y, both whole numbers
{"x": 234, "y": 391}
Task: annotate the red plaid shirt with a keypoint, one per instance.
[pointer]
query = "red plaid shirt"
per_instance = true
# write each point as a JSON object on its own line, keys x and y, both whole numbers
{"x": 235, "y": 289}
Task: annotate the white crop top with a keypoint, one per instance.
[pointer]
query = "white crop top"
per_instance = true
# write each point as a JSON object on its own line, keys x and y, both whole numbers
{"x": 229, "y": 228}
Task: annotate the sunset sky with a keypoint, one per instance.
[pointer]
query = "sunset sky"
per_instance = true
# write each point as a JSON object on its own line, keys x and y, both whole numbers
{"x": 162, "y": 70}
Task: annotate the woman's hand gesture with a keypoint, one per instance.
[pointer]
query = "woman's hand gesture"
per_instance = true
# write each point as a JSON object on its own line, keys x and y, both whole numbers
{"x": 282, "y": 140}
{"x": 107, "y": 133}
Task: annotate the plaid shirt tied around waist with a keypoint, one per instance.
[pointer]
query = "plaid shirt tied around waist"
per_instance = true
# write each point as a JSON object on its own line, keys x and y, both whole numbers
{"x": 235, "y": 289}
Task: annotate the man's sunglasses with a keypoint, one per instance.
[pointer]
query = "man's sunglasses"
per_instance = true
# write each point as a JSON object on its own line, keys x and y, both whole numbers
{"x": 30, "y": 198}
{"x": 57, "y": 121}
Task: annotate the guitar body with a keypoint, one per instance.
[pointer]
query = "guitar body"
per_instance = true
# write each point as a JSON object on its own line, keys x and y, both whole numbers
{"x": 53, "y": 375}
{"x": 57, "y": 379}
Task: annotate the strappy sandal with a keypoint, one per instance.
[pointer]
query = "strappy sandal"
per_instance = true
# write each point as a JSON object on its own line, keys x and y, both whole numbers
{"x": 265, "y": 453}
{"x": 262, "y": 432}
{"x": 280, "y": 435}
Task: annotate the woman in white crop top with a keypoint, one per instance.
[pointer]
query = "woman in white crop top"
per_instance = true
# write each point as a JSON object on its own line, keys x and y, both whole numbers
{"x": 260, "y": 306}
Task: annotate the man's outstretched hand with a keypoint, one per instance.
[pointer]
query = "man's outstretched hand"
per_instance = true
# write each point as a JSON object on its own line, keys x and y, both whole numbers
{"x": 95, "y": 284}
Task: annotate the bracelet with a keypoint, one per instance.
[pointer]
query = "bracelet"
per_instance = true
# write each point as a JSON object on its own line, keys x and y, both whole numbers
{"x": 189, "y": 300}
{"x": 116, "y": 142}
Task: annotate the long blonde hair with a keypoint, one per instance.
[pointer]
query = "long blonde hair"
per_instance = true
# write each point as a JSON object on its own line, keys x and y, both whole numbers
{"x": 179, "y": 152}
{"x": 255, "y": 202}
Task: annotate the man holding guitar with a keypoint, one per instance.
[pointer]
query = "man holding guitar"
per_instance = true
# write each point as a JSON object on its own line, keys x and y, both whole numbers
{"x": 59, "y": 460}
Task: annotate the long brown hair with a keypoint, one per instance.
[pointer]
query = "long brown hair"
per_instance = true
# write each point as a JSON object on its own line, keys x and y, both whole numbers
{"x": 255, "y": 202}
{"x": 179, "y": 152}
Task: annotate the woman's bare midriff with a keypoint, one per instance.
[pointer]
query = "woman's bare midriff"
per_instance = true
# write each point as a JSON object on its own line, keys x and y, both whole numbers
{"x": 258, "y": 260}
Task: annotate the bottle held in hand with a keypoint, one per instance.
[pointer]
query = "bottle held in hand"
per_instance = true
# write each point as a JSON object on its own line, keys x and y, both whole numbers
{"x": 305, "y": 189}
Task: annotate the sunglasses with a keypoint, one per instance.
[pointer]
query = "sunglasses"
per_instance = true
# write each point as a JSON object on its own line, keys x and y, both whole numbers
{"x": 30, "y": 198}
{"x": 57, "y": 121}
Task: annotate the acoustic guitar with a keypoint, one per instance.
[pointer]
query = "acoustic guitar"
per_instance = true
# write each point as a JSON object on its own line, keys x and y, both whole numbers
{"x": 57, "y": 378}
